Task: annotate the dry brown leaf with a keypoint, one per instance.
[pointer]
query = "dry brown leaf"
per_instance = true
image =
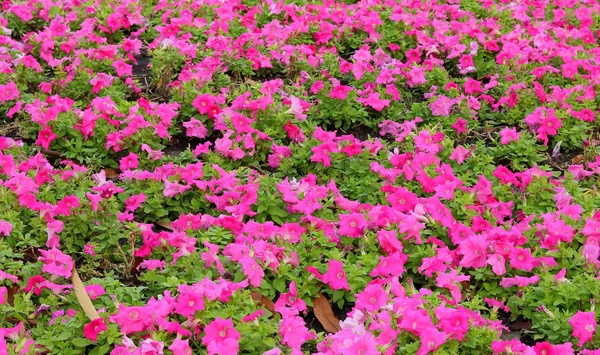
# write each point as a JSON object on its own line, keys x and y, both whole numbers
{"x": 166, "y": 224}
{"x": 10, "y": 295}
{"x": 263, "y": 301}
{"x": 52, "y": 153}
{"x": 325, "y": 315}
{"x": 578, "y": 159}
{"x": 82, "y": 296}
{"x": 111, "y": 174}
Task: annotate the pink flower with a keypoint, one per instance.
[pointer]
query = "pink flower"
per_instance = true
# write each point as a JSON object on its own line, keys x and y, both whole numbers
{"x": 427, "y": 142}
{"x": 9, "y": 92}
{"x": 298, "y": 107}
{"x": 203, "y": 103}
{"x": 131, "y": 319}
{"x": 392, "y": 265}
{"x": 56, "y": 263}
{"x": 153, "y": 154}
{"x": 474, "y": 251}
{"x": 151, "y": 347}
{"x": 290, "y": 299}
{"x": 521, "y": 259}
{"x": 129, "y": 162}
{"x": 252, "y": 270}
{"x": 431, "y": 340}
{"x": 294, "y": 332}
{"x": 340, "y": 92}
{"x": 93, "y": 328}
{"x": 374, "y": 100}
{"x": 372, "y": 298}
{"x": 520, "y": 281}
{"x": 352, "y": 225}
{"x": 584, "y": 326}
{"x": 188, "y": 301}
{"x": 89, "y": 249}
{"x": 35, "y": 283}
{"x": 459, "y": 154}
{"x": 45, "y": 137}
{"x": 451, "y": 281}
{"x": 122, "y": 68}
{"x": 460, "y": 126}
{"x": 221, "y": 337}
{"x": 508, "y": 135}
{"x": 442, "y": 106}
{"x": 569, "y": 70}
{"x": 472, "y": 86}
{"x": 7, "y": 276}
{"x": 195, "y": 128}
{"x": 5, "y": 228}
{"x": 134, "y": 201}
{"x": 181, "y": 347}
{"x": 94, "y": 291}
{"x": 365, "y": 344}
{"x": 253, "y": 316}
{"x": 3, "y": 293}
{"x": 453, "y": 322}
{"x": 335, "y": 276}
{"x": 498, "y": 262}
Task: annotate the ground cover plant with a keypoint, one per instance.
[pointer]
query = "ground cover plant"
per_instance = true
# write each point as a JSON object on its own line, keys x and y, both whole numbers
{"x": 299, "y": 177}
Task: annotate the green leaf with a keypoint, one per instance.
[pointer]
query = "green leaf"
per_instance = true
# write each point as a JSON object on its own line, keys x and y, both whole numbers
{"x": 81, "y": 342}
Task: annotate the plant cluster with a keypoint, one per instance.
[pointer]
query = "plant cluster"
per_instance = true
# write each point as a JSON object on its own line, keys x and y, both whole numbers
{"x": 431, "y": 168}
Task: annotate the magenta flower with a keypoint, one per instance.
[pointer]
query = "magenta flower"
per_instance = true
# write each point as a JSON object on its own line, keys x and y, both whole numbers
{"x": 5, "y": 228}
{"x": 352, "y": 225}
{"x": 474, "y": 251}
{"x": 56, "y": 263}
{"x": 252, "y": 270}
{"x": 181, "y": 347}
{"x": 221, "y": 337}
{"x": 93, "y": 328}
{"x": 195, "y": 128}
{"x": 372, "y": 298}
{"x": 521, "y": 259}
{"x": 294, "y": 332}
{"x": 442, "y": 106}
{"x": 584, "y": 326}
{"x": 131, "y": 319}
{"x": 335, "y": 276}
{"x": 45, "y": 137}
{"x": 8, "y": 92}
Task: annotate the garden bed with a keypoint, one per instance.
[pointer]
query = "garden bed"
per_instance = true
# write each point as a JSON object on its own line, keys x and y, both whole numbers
{"x": 245, "y": 177}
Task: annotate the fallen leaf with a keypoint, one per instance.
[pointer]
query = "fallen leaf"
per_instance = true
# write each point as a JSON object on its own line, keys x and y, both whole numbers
{"x": 111, "y": 174}
{"x": 166, "y": 224}
{"x": 52, "y": 153}
{"x": 10, "y": 295}
{"x": 82, "y": 296}
{"x": 578, "y": 159}
{"x": 137, "y": 260}
{"x": 263, "y": 301}
{"x": 325, "y": 315}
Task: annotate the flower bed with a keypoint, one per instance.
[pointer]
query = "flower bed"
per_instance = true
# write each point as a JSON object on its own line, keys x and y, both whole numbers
{"x": 249, "y": 177}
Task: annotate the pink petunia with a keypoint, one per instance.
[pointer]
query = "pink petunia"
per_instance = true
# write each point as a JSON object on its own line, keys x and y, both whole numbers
{"x": 352, "y": 225}
{"x": 5, "y": 228}
{"x": 56, "y": 263}
{"x": 442, "y": 106}
{"x": 8, "y": 92}
{"x": 335, "y": 276}
{"x": 195, "y": 128}
{"x": 474, "y": 251}
{"x": 93, "y": 328}
{"x": 221, "y": 337}
{"x": 584, "y": 326}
